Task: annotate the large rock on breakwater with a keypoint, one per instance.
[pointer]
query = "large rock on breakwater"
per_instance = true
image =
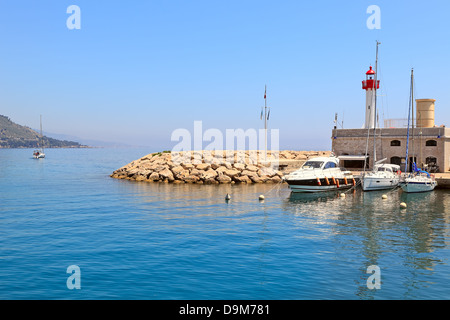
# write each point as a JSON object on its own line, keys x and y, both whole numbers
{"x": 206, "y": 167}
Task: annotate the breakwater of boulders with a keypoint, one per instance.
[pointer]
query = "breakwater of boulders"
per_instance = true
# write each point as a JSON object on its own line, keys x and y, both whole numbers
{"x": 211, "y": 167}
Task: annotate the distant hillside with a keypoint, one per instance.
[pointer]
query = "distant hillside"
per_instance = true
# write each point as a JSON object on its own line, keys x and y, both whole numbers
{"x": 13, "y": 135}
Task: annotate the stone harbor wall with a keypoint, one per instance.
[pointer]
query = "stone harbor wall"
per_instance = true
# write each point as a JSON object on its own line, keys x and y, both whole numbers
{"x": 213, "y": 167}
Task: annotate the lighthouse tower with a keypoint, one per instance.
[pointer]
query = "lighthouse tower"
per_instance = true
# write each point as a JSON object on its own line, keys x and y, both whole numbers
{"x": 370, "y": 85}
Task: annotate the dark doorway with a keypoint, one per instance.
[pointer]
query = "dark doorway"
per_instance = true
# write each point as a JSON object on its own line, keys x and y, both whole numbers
{"x": 355, "y": 164}
{"x": 396, "y": 160}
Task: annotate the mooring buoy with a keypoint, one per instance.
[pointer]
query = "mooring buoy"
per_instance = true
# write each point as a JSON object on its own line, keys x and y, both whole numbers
{"x": 403, "y": 205}
{"x": 261, "y": 197}
{"x": 384, "y": 197}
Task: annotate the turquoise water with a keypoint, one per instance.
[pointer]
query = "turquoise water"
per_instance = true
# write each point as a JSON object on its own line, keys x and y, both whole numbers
{"x": 162, "y": 241}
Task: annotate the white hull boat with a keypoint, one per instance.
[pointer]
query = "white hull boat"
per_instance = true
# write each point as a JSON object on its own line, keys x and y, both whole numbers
{"x": 38, "y": 154}
{"x": 418, "y": 183}
{"x": 419, "y": 180}
{"x": 320, "y": 174}
{"x": 383, "y": 177}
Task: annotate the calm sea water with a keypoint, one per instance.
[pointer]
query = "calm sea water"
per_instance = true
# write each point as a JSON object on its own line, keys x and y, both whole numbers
{"x": 161, "y": 241}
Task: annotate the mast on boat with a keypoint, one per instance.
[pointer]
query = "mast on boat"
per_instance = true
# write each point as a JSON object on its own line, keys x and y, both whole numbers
{"x": 375, "y": 109}
{"x": 411, "y": 106}
{"x": 42, "y": 140}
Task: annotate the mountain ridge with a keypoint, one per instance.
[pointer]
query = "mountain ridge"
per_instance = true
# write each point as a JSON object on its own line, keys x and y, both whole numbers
{"x": 13, "y": 135}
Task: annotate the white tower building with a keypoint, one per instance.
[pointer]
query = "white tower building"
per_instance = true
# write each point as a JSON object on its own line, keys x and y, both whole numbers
{"x": 370, "y": 85}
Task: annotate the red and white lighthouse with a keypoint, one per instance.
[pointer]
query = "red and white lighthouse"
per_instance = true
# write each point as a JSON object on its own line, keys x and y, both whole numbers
{"x": 370, "y": 85}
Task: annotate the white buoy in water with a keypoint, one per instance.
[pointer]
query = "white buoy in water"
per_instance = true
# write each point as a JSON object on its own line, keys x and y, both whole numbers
{"x": 342, "y": 195}
{"x": 384, "y": 197}
{"x": 227, "y": 197}
{"x": 261, "y": 197}
{"x": 402, "y": 205}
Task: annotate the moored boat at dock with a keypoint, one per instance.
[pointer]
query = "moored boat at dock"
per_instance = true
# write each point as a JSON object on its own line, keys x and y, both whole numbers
{"x": 384, "y": 176}
{"x": 320, "y": 174}
{"x": 419, "y": 182}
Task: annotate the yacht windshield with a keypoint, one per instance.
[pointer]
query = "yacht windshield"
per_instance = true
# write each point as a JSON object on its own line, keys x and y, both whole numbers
{"x": 312, "y": 165}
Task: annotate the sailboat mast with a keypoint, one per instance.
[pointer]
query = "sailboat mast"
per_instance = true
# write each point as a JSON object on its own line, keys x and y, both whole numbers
{"x": 375, "y": 109}
{"x": 42, "y": 140}
{"x": 409, "y": 116}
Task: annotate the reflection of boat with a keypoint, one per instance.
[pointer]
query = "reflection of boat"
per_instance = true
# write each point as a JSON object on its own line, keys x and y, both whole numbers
{"x": 39, "y": 153}
{"x": 384, "y": 176}
{"x": 320, "y": 174}
{"x": 312, "y": 197}
{"x": 418, "y": 180}
{"x": 422, "y": 199}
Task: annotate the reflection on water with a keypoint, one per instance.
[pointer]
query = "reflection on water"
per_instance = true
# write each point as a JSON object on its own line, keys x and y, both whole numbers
{"x": 404, "y": 243}
{"x": 297, "y": 197}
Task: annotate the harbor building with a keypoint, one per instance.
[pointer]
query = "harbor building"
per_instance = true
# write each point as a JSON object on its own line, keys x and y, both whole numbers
{"x": 428, "y": 144}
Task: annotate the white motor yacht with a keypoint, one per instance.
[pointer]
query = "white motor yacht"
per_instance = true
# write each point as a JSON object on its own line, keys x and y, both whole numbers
{"x": 320, "y": 174}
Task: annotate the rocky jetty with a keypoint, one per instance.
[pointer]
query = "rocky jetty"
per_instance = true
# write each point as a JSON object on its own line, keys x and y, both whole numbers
{"x": 206, "y": 167}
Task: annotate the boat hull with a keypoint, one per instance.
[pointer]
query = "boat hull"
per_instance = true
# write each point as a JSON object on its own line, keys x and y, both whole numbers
{"x": 313, "y": 185}
{"x": 377, "y": 183}
{"x": 39, "y": 156}
{"x": 414, "y": 187}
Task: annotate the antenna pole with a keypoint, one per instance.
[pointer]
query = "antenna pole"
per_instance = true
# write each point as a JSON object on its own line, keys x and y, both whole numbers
{"x": 412, "y": 116}
{"x": 265, "y": 124}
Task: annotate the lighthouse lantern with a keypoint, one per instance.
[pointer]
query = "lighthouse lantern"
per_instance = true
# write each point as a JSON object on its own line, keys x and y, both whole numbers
{"x": 370, "y": 85}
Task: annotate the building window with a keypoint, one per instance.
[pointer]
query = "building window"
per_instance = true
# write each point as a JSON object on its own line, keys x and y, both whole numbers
{"x": 396, "y": 160}
{"x": 395, "y": 143}
{"x": 431, "y": 143}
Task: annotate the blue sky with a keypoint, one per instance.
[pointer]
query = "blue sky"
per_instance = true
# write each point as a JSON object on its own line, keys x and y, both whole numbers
{"x": 138, "y": 70}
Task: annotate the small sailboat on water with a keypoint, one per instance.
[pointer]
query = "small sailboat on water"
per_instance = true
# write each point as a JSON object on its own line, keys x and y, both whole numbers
{"x": 417, "y": 180}
{"x": 39, "y": 153}
{"x": 382, "y": 176}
